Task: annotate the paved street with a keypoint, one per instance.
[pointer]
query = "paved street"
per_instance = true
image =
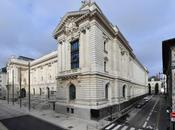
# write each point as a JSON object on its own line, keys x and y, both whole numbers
{"x": 18, "y": 120}
{"x": 28, "y": 123}
{"x": 152, "y": 116}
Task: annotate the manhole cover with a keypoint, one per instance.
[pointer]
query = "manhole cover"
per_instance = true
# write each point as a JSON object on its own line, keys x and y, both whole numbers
{"x": 57, "y": 116}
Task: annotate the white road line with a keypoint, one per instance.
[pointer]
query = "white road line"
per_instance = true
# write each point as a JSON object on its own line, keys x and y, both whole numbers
{"x": 132, "y": 128}
{"x": 148, "y": 118}
{"x": 124, "y": 128}
{"x": 117, "y": 127}
{"x": 144, "y": 125}
{"x": 107, "y": 128}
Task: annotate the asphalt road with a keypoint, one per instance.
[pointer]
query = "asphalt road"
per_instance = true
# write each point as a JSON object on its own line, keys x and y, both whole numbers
{"x": 151, "y": 116}
{"x": 18, "y": 120}
{"x": 28, "y": 123}
{"x": 147, "y": 116}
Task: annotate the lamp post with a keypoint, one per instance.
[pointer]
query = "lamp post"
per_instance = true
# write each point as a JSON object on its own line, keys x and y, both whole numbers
{"x": 20, "y": 96}
{"x": 7, "y": 86}
{"x": 29, "y": 84}
{"x": 13, "y": 87}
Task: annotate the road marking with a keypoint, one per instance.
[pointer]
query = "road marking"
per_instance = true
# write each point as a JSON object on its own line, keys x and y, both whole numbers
{"x": 124, "y": 128}
{"x": 117, "y": 127}
{"x": 148, "y": 118}
{"x": 132, "y": 128}
{"x": 149, "y": 127}
{"x": 144, "y": 125}
{"x": 151, "y": 112}
{"x": 107, "y": 128}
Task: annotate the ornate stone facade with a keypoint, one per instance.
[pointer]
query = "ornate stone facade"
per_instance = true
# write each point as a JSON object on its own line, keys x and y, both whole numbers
{"x": 93, "y": 69}
{"x": 107, "y": 73}
{"x": 42, "y": 75}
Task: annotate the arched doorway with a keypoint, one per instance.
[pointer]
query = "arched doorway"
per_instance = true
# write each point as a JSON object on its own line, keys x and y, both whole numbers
{"x": 48, "y": 92}
{"x": 22, "y": 93}
{"x": 124, "y": 91}
{"x": 72, "y": 92}
{"x": 149, "y": 89}
{"x": 156, "y": 89}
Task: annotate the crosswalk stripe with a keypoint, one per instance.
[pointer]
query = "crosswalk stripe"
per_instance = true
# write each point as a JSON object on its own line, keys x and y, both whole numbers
{"x": 124, "y": 128}
{"x": 107, "y": 128}
{"x": 117, "y": 127}
{"x": 132, "y": 128}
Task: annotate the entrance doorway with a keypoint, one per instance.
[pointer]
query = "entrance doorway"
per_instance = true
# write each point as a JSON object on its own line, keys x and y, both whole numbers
{"x": 149, "y": 89}
{"x": 48, "y": 92}
{"x": 156, "y": 89}
{"x": 22, "y": 93}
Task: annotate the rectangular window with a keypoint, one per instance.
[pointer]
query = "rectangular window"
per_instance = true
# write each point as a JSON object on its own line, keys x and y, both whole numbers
{"x": 72, "y": 110}
{"x": 105, "y": 46}
{"x": 75, "y": 54}
{"x": 67, "y": 110}
{"x": 105, "y": 66}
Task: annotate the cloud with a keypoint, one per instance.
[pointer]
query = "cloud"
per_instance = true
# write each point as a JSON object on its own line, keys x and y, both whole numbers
{"x": 26, "y": 26}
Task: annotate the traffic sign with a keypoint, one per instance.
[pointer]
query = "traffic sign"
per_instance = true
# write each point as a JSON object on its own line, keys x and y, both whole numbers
{"x": 172, "y": 116}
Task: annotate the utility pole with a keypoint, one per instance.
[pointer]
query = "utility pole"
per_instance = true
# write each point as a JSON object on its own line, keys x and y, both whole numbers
{"x": 29, "y": 83}
{"x": 13, "y": 86}
{"x": 20, "y": 86}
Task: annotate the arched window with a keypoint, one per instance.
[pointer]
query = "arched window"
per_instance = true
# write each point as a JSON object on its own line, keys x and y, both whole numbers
{"x": 72, "y": 92}
{"x": 124, "y": 91}
{"x": 105, "y": 46}
{"x": 107, "y": 91}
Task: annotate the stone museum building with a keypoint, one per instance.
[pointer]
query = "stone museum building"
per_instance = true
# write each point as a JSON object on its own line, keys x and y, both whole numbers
{"x": 97, "y": 68}
{"x": 93, "y": 72}
{"x": 42, "y": 75}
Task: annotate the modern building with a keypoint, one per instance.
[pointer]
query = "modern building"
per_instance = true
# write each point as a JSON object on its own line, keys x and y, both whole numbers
{"x": 168, "y": 56}
{"x": 42, "y": 75}
{"x": 97, "y": 69}
{"x": 3, "y": 82}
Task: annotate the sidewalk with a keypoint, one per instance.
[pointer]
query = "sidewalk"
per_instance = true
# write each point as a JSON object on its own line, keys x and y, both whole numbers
{"x": 65, "y": 121}
{"x": 164, "y": 119}
{"x": 2, "y": 127}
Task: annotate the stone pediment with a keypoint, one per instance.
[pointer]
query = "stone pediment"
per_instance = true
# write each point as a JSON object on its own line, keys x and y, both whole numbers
{"x": 68, "y": 22}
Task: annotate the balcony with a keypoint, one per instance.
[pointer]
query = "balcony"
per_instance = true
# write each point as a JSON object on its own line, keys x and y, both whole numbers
{"x": 69, "y": 73}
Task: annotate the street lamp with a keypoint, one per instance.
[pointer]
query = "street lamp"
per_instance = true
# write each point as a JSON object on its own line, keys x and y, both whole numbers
{"x": 13, "y": 86}
{"x": 20, "y": 95}
{"x": 7, "y": 86}
{"x": 29, "y": 84}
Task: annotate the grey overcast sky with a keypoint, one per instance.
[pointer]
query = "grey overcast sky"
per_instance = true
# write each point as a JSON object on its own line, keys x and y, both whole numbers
{"x": 26, "y": 26}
